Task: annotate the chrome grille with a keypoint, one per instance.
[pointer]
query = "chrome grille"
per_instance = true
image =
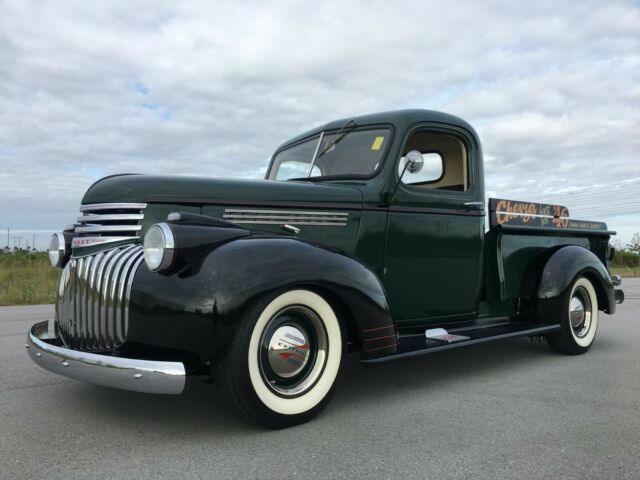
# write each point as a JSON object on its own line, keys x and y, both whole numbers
{"x": 290, "y": 217}
{"x": 111, "y": 219}
{"x": 92, "y": 312}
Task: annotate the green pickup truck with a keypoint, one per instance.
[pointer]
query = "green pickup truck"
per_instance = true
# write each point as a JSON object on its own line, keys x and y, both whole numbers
{"x": 370, "y": 234}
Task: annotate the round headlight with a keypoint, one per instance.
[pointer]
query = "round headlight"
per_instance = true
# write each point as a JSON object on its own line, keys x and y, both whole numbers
{"x": 159, "y": 245}
{"x": 57, "y": 250}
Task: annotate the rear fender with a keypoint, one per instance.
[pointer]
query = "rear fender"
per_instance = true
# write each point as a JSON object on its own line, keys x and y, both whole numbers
{"x": 565, "y": 265}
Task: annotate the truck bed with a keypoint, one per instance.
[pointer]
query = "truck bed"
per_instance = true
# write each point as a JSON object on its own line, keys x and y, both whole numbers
{"x": 520, "y": 232}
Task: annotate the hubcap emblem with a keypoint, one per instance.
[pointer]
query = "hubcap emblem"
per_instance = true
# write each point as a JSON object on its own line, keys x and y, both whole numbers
{"x": 288, "y": 351}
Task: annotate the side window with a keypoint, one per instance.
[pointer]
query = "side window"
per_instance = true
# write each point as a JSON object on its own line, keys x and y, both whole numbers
{"x": 444, "y": 162}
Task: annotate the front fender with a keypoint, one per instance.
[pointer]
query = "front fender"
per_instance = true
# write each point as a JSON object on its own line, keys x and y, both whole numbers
{"x": 562, "y": 268}
{"x": 198, "y": 308}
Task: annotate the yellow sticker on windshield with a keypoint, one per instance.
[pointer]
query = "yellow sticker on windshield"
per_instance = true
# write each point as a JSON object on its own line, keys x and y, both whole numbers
{"x": 377, "y": 143}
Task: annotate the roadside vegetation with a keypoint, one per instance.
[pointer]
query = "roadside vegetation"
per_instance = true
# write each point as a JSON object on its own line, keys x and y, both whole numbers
{"x": 626, "y": 261}
{"x": 626, "y": 264}
{"x": 27, "y": 278}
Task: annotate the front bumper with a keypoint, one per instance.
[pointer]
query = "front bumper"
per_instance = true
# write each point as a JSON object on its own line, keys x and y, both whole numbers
{"x": 125, "y": 373}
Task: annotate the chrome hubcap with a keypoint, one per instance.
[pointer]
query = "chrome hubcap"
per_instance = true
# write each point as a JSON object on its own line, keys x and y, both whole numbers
{"x": 288, "y": 351}
{"x": 580, "y": 312}
{"x": 293, "y": 351}
{"x": 576, "y": 310}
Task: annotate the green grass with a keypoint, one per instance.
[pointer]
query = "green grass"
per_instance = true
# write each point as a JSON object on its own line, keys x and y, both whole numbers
{"x": 27, "y": 278}
{"x": 626, "y": 272}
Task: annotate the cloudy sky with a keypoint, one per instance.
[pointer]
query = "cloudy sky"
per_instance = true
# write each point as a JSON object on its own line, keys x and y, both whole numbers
{"x": 89, "y": 89}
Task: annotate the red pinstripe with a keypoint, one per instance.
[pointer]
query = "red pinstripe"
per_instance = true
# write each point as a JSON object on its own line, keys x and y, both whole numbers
{"x": 381, "y": 348}
{"x": 378, "y": 338}
{"x": 377, "y": 328}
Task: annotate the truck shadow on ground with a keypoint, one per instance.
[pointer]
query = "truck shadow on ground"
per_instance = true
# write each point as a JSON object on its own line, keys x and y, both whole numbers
{"x": 201, "y": 411}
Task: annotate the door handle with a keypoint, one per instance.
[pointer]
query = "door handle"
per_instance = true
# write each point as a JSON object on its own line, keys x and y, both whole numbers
{"x": 474, "y": 204}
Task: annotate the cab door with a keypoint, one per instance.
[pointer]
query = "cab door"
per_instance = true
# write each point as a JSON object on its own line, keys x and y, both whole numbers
{"x": 435, "y": 229}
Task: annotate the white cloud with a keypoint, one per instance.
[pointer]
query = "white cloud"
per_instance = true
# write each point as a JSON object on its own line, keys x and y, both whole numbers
{"x": 93, "y": 88}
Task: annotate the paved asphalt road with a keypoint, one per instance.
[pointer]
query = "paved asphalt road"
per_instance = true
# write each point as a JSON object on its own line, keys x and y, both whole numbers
{"x": 510, "y": 409}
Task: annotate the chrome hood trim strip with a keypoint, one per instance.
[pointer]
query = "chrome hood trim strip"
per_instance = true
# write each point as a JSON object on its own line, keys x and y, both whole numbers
{"x": 289, "y": 217}
{"x": 112, "y": 206}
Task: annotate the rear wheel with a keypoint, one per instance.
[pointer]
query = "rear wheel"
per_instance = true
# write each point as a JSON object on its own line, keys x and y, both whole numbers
{"x": 578, "y": 317}
{"x": 282, "y": 363}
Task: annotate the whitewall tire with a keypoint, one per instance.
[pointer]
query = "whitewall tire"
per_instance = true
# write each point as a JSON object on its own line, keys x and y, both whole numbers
{"x": 285, "y": 357}
{"x": 578, "y": 316}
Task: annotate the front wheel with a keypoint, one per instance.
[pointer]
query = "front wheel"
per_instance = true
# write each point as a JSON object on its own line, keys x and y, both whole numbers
{"x": 578, "y": 318}
{"x": 283, "y": 360}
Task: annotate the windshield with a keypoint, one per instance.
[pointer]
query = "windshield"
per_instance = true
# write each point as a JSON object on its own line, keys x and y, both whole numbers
{"x": 357, "y": 154}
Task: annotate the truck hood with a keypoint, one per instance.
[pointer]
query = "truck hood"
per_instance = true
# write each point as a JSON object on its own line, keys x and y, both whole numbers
{"x": 197, "y": 190}
{"x": 214, "y": 197}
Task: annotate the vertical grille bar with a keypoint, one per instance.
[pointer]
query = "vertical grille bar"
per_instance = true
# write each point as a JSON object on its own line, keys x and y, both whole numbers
{"x": 92, "y": 310}
{"x": 81, "y": 305}
{"x": 115, "y": 314}
{"x": 98, "y": 320}
{"x": 61, "y": 313}
{"x": 65, "y": 300}
{"x": 110, "y": 291}
{"x": 85, "y": 297}
{"x": 69, "y": 299}
{"x": 93, "y": 296}
{"x": 75, "y": 286}
{"x": 128, "y": 292}
{"x": 70, "y": 303}
{"x": 122, "y": 309}
{"x": 110, "y": 275}
{"x": 59, "y": 300}
{"x": 78, "y": 297}
{"x": 62, "y": 305}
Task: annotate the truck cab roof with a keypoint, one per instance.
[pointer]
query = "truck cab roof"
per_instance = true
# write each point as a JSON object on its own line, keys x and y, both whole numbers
{"x": 399, "y": 119}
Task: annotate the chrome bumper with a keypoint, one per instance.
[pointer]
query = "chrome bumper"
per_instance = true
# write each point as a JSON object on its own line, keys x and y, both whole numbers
{"x": 124, "y": 373}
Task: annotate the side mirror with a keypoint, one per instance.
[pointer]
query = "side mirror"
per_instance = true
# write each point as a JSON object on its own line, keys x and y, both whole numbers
{"x": 414, "y": 161}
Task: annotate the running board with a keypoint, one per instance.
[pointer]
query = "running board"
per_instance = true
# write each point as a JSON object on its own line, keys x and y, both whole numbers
{"x": 413, "y": 345}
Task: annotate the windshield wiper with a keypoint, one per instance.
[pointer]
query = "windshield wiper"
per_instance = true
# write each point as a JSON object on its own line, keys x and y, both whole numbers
{"x": 343, "y": 132}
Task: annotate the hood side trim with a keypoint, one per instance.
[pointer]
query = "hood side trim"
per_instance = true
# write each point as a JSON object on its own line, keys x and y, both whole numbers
{"x": 255, "y": 203}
